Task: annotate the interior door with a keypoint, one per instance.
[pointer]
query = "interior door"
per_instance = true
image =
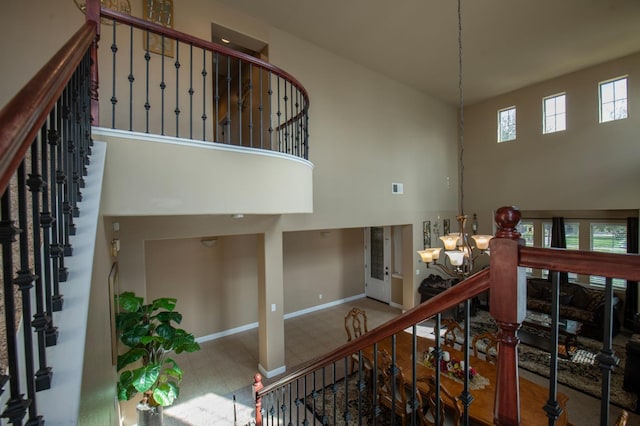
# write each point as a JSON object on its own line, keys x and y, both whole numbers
{"x": 377, "y": 263}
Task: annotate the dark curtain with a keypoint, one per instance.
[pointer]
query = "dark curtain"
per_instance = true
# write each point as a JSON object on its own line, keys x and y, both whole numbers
{"x": 558, "y": 240}
{"x": 631, "y": 295}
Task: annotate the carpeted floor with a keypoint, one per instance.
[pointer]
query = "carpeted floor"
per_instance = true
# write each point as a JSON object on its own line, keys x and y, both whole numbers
{"x": 580, "y": 372}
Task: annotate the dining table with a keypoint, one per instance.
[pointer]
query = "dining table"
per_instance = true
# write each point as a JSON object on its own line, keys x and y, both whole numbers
{"x": 533, "y": 397}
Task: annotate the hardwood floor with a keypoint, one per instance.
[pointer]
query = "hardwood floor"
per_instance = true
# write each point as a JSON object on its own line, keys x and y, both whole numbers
{"x": 224, "y": 369}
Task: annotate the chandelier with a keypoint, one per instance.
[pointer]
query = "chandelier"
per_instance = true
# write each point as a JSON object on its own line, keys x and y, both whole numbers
{"x": 459, "y": 253}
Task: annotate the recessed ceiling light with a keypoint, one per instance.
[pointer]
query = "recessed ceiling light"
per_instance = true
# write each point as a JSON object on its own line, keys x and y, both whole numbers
{"x": 224, "y": 40}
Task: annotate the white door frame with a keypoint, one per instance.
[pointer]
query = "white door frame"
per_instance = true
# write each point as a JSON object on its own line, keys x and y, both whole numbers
{"x": 378, "y": 287}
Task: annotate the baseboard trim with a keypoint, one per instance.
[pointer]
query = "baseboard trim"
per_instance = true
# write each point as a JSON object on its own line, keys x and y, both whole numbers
{"x": 253, "y": 325}
{"x": 271, "y": 373}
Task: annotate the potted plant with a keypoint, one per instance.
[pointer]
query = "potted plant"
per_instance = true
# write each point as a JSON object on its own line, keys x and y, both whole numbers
{"x": 146, "y": 367}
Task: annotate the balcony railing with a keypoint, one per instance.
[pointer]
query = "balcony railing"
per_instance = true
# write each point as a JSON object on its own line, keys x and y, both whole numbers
{"x": 157, "y": 80}
{"x": 300, "y": 396}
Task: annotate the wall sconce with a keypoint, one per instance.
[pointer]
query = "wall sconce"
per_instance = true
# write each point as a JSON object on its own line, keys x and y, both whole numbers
{"x": 209, "y": 242}
{"x": 115, "y": 247}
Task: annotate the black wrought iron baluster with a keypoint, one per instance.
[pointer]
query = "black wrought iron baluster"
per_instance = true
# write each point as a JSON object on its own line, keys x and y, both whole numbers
{"x": 85, "y": 146}
{"x": 177, "y": 110}
{"x": 415, "y": 404}
{"x": 204, "y": 95}
{"x": 346, "y": 415}
{"x": 47, "y": 219}
{"x": 40, "y": 320}
{"x": 216, "y": 98}
{"x": 191, "y": 91}
{"x": 131, "y": 79}
{"x": 64, "y": 166}
{"x": 61, "y": 181}
{"x": 24, "y": 281}
{"x": 286, "y": 119}
{"x": 240, "y": 101}
{"x": 362, "y": 386}
{"x": 55, "y": 248}
{"x": 261, "y": 109}
{"x": 290, "y": 406}
{"x": 163, "y": 86}
{"x": 552, "y": 408}
{"x": 16, "y": 407}
{"x": 306, "y": 134}
{"x": 437, "y": 356}
{"x": 465, "y": 397}
{"x": 607, "y": 358}
{"x": 305, "y": 392}
{"x": 334, "y": 390}
{"x": 147, "y": 105}
{"x": 279, "y": 114}
{"x": 394, "y": 374}
{"x": 298, "y": 401}
{"x": 227, "y": 121}
{"x": 114, "y": 99}
{"x": 73, "y": 150}
{"x": 270, "y": 103}
{"x": 296, "y": 123}
{"x": 374, "y": 385}
{"x": 250, "y": 90}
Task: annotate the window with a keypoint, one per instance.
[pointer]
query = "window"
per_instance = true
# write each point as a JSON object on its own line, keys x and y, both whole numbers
{"x": 554, "y": 114}
{"x": 613, "y": 99}
{"x": 572, "y": 238}
{"x": 609, "y": 238}
{"x": 507, "y": 124}
{"x": 526, "y": 230}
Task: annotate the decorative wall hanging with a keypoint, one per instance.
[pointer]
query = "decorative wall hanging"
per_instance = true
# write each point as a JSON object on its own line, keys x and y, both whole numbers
{"x": 158, "y": 12}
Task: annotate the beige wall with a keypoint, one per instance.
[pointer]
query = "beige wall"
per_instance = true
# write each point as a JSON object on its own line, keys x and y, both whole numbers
{"x": 321, "y": 267}
{"x": 588, "y": 166}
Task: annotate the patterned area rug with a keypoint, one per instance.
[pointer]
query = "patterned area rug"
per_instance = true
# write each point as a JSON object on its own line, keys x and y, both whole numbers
{"x": 581, "y": 372}
{"x": 328, "y": 405}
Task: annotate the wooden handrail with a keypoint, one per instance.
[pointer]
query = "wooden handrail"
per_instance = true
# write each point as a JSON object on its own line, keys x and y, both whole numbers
{"x": 625, "y": 266}
{"x": 467, "y": 289}
{"x": 203, "y": 44}
{"x": 22, "y": 117}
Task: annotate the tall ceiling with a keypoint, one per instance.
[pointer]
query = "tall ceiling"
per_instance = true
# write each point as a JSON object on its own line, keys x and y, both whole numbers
{"x": 507, "y": 44}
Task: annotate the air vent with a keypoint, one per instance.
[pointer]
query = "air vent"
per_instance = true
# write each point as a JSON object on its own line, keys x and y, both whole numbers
{"x": 397, "y": 188}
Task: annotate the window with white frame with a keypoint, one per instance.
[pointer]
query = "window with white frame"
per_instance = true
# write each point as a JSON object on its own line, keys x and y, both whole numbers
{"x": 526, "y": 230}
{"x": 608, "y": 238}
{"x": 507, "y": 124}
{"x": 572, "y": 239}
{"x": 613, "y": 99}
{"x": 554, "y": 113}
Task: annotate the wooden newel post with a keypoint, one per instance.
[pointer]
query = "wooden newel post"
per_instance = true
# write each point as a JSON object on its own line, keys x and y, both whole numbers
{"x": 508, "y": 305}
{"x": 257, "y": 386}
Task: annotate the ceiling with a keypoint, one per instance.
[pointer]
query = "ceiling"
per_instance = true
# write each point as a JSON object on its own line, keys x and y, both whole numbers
{"x": 507, "y": 44}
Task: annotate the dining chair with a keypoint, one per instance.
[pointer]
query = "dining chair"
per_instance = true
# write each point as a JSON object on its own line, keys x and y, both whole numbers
{"x": 355, "y": 323}
{"x": 448, "y": 404}
{"x": 622, "y": 418}
{"x": 491, "y": 348}
{"x": 451, "y": 333}
{"x": 397, "y": 399}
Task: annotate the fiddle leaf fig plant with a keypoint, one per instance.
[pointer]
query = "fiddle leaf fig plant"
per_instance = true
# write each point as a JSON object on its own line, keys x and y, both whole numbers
{"x": 150, "y": 335}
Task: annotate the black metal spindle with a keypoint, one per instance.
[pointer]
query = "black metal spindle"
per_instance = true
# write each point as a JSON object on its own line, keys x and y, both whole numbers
{"x": 163, "y": 86}
{"x": 191, "y": 91}
{"x": 227, "y": 122}
{"x": 37, "y": 185}
{"x": 437, "y": 355}
{"x": 286, "y": 119}
{"x": 250, "y": 105}
{"x": 216, "y": 98}
{"x": 60, "y": 179}
{"x": 147, "y": 105}
{"x": 240, "y": 101}
{"x": 415, "y": 405}
{"x": 466, "y": 396}
{"x": 114, "y": 99}
{"x": 278, "y": 114}
{"x": 64, "y": 165}
{"x": 204, "y": 95}
{"x": 334, "y": 390}
{"x": 16, "y": 407}
{"x": 24, "y": 281}
{"x": 270, "y": 103}
{"x": 47, "y": 219}
{"x": 552, "y": 407}
{"x": 131, "y": 79}
{"x": 393, "y": 374}
{"x": 607, "y": 358}
{"x": 55, "y": 249}
{"x": 261, "y": 108}
{"x": 177, "y": 110}
{"x": 346, "y": 416}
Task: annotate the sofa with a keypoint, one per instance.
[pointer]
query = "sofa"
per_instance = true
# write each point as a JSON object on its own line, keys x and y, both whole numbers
{"x": 577, "y": 302}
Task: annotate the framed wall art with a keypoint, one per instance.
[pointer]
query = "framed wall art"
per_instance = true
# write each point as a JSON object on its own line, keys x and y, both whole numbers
{"x": 158, "y": 12}
{"x": 426, "y": 233}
